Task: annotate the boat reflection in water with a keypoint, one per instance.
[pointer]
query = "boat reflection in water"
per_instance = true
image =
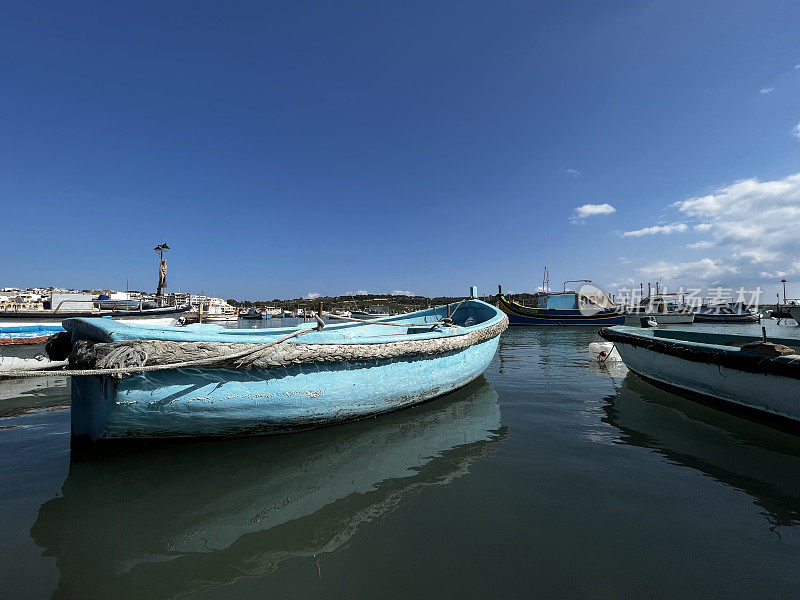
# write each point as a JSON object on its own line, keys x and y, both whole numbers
{"x": 762, "y": 462}
{"x": 183, "y": 518}
{"x": 33, "y": 394}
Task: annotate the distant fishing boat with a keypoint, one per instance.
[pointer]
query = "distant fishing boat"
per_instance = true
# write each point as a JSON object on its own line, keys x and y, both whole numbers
{"x": 257, "y": 381}
{"x": 22, "y": 348}
{"x": 666, "y": 309}
{"x": 219, "y": 311}
{"x": 780, "y": 312}
{"x": 371, "y": 312}
{"x": 565, "y": 308}
{"x": 340, "y": 314}
{"x": 725, "y": 312}
{"x": 166, "y": 316}
{"x": 251, "y": 314}
{"x": 732, "y": 371}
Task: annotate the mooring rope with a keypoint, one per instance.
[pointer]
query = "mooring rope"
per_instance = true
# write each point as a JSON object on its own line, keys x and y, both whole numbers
{"x": 162, "y": 367}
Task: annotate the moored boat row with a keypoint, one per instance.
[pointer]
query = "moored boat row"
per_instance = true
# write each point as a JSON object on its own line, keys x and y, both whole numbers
{"x": 149, "y": 381}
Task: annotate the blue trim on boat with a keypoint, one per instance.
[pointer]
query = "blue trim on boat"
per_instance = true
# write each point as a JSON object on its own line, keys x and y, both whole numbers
{"x": 25, "y": 331}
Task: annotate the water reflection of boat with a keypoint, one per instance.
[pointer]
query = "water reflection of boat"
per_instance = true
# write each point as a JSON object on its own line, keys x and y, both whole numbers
{"x": 763, "y": 463}
{"x": 32, "y": 394}
{"x": 180, "y": 519}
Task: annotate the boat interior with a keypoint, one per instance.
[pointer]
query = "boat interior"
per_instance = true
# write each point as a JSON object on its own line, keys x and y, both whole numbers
{"x": 466, "y": 316}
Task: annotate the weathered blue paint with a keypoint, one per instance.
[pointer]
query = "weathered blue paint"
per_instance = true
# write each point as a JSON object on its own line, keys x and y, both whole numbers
{"x": 222, "y": 402}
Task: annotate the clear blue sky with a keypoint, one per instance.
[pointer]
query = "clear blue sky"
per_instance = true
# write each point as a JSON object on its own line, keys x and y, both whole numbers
{"x": 288, "y": 148}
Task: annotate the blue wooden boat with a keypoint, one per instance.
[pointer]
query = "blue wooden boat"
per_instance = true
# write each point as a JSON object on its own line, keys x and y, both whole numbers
{"x": 323, "y": 376}
{"x": 568, "y": 308}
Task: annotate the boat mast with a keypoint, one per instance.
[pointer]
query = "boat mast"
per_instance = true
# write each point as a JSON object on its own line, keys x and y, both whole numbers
{"x": 546, "y": 276}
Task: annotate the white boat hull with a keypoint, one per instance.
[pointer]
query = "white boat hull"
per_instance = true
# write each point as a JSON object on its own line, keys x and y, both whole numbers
{"x": 37, "y": 363}
{"x": 762, "y": 392}
{"x": 26, "y": 357}
{"x": 635, "y": 319}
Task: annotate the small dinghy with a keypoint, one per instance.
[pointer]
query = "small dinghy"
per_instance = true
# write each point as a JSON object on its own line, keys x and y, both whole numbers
{"x": 22, "y": 348}
{"x": 744, "y": 374}
{"x": 204, "y": 380}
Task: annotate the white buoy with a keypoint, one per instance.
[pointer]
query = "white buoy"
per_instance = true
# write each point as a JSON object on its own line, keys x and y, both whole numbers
{"x": 603, "y": 351}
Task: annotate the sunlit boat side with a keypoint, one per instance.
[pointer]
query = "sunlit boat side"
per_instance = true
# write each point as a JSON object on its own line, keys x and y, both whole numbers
{"x": 349, "y": 371}
{"x": 716, "y": 369}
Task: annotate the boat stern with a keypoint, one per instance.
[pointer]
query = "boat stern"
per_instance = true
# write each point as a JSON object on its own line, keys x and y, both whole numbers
{"x": 92, "y": 400}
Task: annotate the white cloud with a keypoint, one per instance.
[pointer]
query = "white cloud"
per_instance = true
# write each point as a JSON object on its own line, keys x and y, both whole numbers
{"x": 402, "y": 293}
{"x": 699, "y": 270}
{"x": 796, "y": 130}
{"x": 657, "y": 229}
{"x": 755, "y": 225}
{"x": 591, "y": 210}
{"x": 313, "y": 295}
{"x": 797, "y": 67}
{"x": 765, "y": 91}
{"x": 700, "y": 245}
{"x": 759, "y": 256}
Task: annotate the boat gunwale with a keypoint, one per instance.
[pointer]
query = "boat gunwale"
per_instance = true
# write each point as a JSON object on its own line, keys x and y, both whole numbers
{"x": 113, "y": 331}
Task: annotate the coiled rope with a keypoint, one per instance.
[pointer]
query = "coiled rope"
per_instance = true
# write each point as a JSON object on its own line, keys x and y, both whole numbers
{"x": 121, "y": 359}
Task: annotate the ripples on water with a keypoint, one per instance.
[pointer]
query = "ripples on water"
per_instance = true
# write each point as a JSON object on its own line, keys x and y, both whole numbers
{"x": 551, "y": 477}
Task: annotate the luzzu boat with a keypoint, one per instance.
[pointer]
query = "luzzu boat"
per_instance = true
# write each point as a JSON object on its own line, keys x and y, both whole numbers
{"x": 567, "y": 308}
{"x": 735, "y": 372}
{"x": 259, "y": 381}
{"x": 666, "y": 309}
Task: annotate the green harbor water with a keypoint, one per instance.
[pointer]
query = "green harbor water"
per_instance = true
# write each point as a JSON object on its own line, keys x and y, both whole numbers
{"x": 550, "y": 477}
